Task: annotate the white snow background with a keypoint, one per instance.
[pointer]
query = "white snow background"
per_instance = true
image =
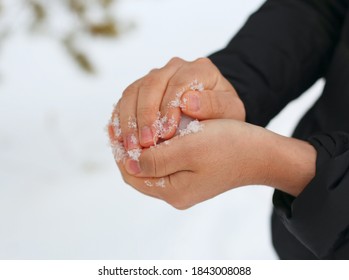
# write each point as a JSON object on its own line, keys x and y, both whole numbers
{"x": 61, "y": 195}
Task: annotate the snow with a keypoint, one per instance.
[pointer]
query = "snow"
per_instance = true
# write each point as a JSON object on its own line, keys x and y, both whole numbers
{"x": 160, "y": 183}
{"x": 115, "y": 122}
{"x": 176, "y": 103}
{"x": 61, "y": 195}
{"x": 134, "y": 154}
{"x": 193, "y": 127}
{"x": 132, "y": 123}
{"x": 119, "y": 151}
{"x": 159, "y": 126}
{"x": 148, "y": 183}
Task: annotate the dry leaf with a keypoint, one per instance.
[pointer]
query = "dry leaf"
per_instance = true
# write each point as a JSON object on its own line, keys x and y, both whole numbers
{"x": 79, "y": 57}
{"x": 83, "y": 61}
{"x": 107, "y": 29}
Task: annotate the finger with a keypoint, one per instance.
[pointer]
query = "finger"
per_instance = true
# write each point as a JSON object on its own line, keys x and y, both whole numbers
{"x": 198, "y": 74}
{"x": 194, "y": 76}
{"x": 175, "y": 155}
{"x": 151, "y": 91}
{"x": 154, "y": 187}
{"x": 128, "y": 120}
{"x": 175, "y": 189}
{"x": 213, "y": 104}
{"x": 114, "y": 129}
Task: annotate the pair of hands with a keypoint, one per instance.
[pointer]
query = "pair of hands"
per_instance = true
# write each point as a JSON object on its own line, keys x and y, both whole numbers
{"x": 226, "y": 154}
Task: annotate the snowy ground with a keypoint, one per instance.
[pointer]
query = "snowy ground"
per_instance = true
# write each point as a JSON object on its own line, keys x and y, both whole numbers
{"x": 61, "y": 195}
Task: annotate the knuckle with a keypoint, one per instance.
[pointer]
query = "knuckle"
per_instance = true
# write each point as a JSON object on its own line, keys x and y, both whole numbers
{"x": 206, "y": 63}
{"x": 149, "y": 164}
{"x": 160, "y": 164}
{"x": 150, "y": 80}
{"x": 203, "y": 60}
{"x": 175, "y": 61}
{"x": 178, "y": 203}
{"x": 153, "y": 71}
{"x": 131, "y": 89}
{"x": 217, "y": 107}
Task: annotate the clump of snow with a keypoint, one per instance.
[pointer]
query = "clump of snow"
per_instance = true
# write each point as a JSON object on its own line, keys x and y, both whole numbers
{"x": 187, "y": 125}
{"x": 195, "y": 85}
{"x": 134, "y": 139}
{"x": 148, "y": 183}
{"x": 160, "y": 183}
{"x": 183, "y": 123}
{"x": 115, "y": 122}
{"x": 193, "y": 127}
{"x": 132, "y": 123}
{"x": 184, "y": 103}
{"x": 159, "y": 126}
{"x": 176, "y": 103}
{"x": 134, "y": 154}
{"x": 167, "y": 142}
{"x": 119, "y": 151}
{"x": 162, "y": 126}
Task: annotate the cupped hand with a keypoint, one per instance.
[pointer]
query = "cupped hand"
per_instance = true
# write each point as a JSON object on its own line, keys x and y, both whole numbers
{"x": 151, "y": 107}
{"x": 190, "y": 169}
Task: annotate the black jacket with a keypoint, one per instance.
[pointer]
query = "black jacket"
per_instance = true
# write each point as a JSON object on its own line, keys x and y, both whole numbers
{"x": 284, "y": 48}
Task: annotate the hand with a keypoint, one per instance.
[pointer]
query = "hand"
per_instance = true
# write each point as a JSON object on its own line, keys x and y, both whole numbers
{"x": 197, "y": 88}
{"x": 225, "y": 155}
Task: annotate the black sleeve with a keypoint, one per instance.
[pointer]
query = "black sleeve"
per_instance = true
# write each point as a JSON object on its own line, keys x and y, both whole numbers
{"x": 280, "y": 52}
{"x": 319, "y": 216}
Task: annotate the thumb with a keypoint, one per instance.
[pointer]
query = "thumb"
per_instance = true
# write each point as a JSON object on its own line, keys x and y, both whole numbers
{"x": 213, "y": 104}
{"x": 181, "y": 153}
{"x": 165, "y": 159}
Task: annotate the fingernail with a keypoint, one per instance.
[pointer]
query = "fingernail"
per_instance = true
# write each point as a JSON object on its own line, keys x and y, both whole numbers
{"x": 193, "y": 103}
{"x": 146, "y": 134}
{"x": 132, "y": 142}
{"x": 132, "y": 167}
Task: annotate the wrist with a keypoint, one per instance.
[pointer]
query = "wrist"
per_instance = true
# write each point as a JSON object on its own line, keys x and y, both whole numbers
{"x": 292, "y": 164}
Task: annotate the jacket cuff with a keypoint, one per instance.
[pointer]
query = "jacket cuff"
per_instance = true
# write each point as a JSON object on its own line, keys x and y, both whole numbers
{"x": 319, "y": 216}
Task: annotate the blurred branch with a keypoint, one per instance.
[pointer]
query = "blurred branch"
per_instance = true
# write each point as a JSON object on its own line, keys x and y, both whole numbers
{"x": 39, "y": 12}
{"x": 79, "y": 57}
{"x": 88, "y": 18}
